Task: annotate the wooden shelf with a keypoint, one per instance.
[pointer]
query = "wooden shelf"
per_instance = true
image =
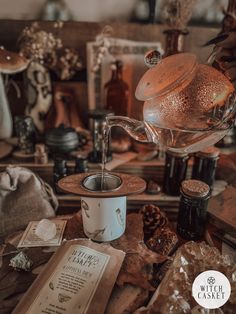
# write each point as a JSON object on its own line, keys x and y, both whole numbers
{"x": 147, "y": 170}
{"x": 134, "y": 202}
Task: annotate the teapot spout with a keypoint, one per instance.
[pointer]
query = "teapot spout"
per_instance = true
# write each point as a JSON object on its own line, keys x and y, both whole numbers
{"x": 138, "y": 130}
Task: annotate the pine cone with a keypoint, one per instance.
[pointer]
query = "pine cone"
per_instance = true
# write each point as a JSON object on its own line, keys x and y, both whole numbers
{"x": 163, "y": 241}
{"x": 153, "y": 218}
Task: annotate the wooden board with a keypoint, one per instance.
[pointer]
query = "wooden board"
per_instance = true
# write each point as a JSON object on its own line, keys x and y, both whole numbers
{"x": 77, "y": 34}
{"x": 222, "y": 210}
{"x": 5, "y": 149}
{"x": 13, "y": 284}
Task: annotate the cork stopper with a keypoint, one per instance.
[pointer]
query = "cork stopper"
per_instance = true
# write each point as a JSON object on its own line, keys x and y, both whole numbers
{"x": 40, "y": 148}
{"x": 209, "y": 152}
{"x": 195, "y": 188}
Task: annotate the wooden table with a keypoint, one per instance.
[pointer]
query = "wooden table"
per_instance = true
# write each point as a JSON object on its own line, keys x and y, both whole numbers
{"x": 13, "y": 284}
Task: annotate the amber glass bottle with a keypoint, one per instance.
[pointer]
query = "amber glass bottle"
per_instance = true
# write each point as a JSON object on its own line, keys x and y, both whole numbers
{"x": 117, "y": 91}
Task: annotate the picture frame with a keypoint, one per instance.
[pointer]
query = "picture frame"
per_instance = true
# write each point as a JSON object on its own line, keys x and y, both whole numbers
{"x": 131, "y": 53}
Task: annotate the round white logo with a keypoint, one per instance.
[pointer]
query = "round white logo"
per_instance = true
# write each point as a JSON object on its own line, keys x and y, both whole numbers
{"x": 211, "y": 289}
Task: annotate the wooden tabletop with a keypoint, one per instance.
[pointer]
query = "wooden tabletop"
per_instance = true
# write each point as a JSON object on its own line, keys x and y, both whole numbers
{"x": 13, "y": 283}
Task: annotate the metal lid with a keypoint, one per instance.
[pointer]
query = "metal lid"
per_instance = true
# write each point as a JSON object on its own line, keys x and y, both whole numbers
{"x": 61, "y": 131}
{"x": 61, "y": 139}
{"x": 209, "y": 152}
{"x": 195, "y": 188}
{"x": 100, "y": 114}
{"x": 125, "y": 185}
{"x": 168, "y": 74}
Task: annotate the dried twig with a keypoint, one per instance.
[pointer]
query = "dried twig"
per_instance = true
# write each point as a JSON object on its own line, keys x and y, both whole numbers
{"x": 103, "y": 43}
{"x": 177, "y": 13}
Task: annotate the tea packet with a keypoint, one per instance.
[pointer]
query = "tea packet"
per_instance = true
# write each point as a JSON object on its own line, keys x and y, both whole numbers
{"x": 78, "y": 278}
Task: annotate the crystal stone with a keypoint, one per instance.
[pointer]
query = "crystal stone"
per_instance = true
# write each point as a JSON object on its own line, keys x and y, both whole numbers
{"x": 46, "y": 230}
{"x": 21, "y": 262}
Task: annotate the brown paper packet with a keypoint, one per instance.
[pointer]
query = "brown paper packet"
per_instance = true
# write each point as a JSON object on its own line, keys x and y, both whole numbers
{"x": 78, "y": 279}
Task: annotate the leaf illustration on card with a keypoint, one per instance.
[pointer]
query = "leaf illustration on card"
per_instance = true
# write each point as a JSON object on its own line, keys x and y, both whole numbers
{"x": 85, "y": 207}
{"x": 63, "y": 298}
{"x": 120, "y": 217}
{"x": 96, "y": 234}
{"x": 51, "y": 286}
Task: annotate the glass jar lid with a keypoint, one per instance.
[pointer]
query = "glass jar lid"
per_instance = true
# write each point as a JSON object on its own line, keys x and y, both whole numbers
{"x": 176, "y": 154}
{"x": 168, "y": 74}
{"x": 195, "y": 188}
{"x": 100, "y": 114}
{"x": 208, "y": 152}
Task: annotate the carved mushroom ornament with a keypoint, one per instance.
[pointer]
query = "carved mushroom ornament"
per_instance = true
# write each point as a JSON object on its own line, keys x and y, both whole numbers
{"x": 10, "y": 63}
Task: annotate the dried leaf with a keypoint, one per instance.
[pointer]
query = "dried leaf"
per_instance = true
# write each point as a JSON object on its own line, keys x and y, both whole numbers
{"x": 137, "y": 267}
{"x": 13, "y": 282}
{"x": 74, "y": 228}
{"x": 174, "y": 294}
{"x": 177, "y": 13}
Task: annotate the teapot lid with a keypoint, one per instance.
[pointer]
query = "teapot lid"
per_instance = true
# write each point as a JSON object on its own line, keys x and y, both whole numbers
{"x": 169, "y": 73}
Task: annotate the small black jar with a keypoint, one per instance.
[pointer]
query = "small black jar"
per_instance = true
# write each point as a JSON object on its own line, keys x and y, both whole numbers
{"x": 81, "y": 165}
{"x": 25, "y": 131}
{"x": 176, "y": 165}
{"x": 59, "y": 171}
{"x": 205, "y": 163}
{"x": 192, "y": 209}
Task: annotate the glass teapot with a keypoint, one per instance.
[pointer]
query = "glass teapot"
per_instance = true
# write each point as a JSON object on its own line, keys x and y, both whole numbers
{"x": 187, "y": 105}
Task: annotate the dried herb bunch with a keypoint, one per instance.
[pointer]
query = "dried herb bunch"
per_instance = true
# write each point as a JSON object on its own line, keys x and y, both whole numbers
{"x": 177, "y": 13}
{"x": 103, "y": 44}
{"x": 47, "y": 49}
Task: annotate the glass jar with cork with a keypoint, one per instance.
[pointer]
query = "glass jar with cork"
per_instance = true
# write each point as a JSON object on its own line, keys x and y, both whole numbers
{"x": 204, "y": 166}
{"x": 176, "y": 164}
{"x": 192, "y": 209}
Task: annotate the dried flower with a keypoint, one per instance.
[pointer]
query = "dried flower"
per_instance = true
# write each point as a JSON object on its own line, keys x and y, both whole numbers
{"x": 68, "y": 63}
{"x": 177, "y": 13}
{"x": 44, "y": 47}
{"x": 103, "y": 44}
{"x": 38, "y": 45}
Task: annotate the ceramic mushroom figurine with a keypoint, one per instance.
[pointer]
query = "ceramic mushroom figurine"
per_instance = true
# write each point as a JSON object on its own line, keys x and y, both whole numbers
{"x": 10, "y": 63}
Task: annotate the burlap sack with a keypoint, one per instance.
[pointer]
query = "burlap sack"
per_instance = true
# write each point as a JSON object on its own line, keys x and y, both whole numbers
{"x": 23, "y": 197}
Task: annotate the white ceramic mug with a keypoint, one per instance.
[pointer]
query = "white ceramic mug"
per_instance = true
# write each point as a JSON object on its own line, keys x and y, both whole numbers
{"x": 104, "y": 218}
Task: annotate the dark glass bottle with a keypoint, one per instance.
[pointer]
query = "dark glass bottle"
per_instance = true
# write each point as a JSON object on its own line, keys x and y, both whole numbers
{"x": 192, "y": 209}
{"x": 176, "y": 165}
{"x": 81, "y": 165}
{"x": 204, "y": 166}
{"x": 174, "y": 41}
{"x": 59, "y": 171}
{"x": 117, "y": 91}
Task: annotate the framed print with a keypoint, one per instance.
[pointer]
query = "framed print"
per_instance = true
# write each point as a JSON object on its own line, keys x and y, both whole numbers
{"x": 131, "y": 54}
